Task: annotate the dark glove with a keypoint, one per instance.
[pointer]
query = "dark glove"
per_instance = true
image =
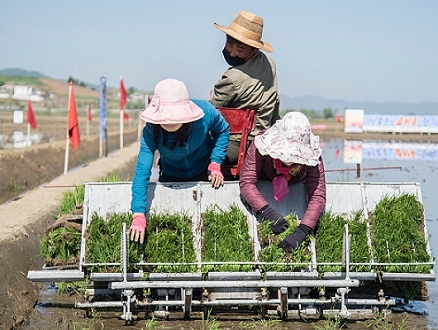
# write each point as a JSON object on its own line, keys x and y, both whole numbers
{"x": 278, "y": 222}
{"x": 292, "y": 241}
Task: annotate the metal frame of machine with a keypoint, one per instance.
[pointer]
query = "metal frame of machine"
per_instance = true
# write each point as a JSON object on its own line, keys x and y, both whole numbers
{"x": 285, "y": 294}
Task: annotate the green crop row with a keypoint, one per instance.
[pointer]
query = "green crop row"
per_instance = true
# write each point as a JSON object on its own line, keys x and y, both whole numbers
{"x": 397, "y": 232}
{"x": 274, "y": 258}
{"x": 329, "y": 242}
{"x": 390, "y": 240}
{"x": 393, "y": 235}
{"x": 226, "y": 239}
{"x": 169, "y": 239}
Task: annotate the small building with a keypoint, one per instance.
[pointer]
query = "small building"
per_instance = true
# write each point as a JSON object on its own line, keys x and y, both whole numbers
{"x": 27, "y": 93}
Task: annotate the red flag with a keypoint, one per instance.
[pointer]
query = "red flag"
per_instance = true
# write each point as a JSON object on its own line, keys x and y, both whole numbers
{"x": 125, "y": 116}
{"x": 30, "y": 116}
{"x": 73, "y": 126}
{"x": 122, "y": 94}
{"x": 338, "y": 118}
{"x": 89, "y": 112}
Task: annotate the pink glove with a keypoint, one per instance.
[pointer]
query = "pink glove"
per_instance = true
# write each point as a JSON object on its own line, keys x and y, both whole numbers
{"x": 138, "y": 227}
{"x": 281, "y": 188}
{"x": 215, "y": 169}
{"x": 215, "y": 175}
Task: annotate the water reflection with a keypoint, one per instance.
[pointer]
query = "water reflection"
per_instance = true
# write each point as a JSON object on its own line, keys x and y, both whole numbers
{"x": 355, "y": 151}
{"x": 392, "y": 162}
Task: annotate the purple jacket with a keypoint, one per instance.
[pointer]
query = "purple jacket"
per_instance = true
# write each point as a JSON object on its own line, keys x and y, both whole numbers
{"x": 257, "y": 167}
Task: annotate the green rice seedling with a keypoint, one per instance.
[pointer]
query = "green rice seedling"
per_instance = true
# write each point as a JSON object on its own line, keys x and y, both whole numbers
{"x": 408, "y": 290}
{"x": 226, "y": 239}
{"x": 104, "y": 242}
{"x": 151, "y": 324}
{"x": 331, "y": 323}
{"x": 170, "y": 240}
{"x": 275, "y": 258}
{"x": 381, "y": 323}
{"x": 360, "y": 251}
{"x": 113, "y": 176}
{"x": 61, "y": 246}
{"x": 329, "y": 242}
{"x": 72, "y": 199}
{"x": 69, "y": 287}
{"x": 397, "y": 224}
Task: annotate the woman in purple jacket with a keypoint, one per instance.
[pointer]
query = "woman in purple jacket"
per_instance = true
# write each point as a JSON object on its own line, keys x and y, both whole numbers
{"x": 286, "y": 153}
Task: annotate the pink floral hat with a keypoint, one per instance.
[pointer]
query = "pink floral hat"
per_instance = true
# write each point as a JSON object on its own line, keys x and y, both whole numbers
{"x": 290, "y": 140}
{"x": 171, "y": 104}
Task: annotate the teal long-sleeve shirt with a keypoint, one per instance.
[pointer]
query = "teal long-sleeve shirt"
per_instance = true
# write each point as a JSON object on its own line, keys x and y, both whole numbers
{"x": 207, "y": 142}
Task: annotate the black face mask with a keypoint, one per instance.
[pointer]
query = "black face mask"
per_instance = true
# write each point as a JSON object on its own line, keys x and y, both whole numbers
{"x": 232, "y": 60}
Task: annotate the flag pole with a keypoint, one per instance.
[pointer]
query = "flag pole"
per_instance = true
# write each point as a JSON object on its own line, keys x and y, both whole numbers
{"x": 121, "y": 128}
{"x": 28, "y": 135}
{"x": 67, "y": 147}
{"x": 122, "y": 106}
{"x": 28, "y": 125}
{"x": 67, "y": 140}
{"x": 103, "y": 145}
{"x": 87, "y": 125}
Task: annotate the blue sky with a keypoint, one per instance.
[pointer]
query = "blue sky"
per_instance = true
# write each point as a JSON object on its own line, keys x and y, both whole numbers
{"x": 384, "y": 50}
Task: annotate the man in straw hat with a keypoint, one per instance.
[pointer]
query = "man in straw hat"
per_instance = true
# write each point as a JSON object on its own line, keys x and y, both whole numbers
{"x": 191, "y": 137}
{"x": 286, "y": 153}
{"x": 251, "y": 80}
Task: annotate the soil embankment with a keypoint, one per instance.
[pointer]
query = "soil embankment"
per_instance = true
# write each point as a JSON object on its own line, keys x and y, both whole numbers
{"x": 27, "y": 168}
{"x": 23, "y": 222}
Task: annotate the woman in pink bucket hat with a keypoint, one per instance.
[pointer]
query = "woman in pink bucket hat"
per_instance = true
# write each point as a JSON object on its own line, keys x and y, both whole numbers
{"x": 191, "y": 137}
{"x": 286, "y": 153}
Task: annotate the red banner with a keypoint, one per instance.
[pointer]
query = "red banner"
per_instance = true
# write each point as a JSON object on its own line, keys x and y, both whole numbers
{"x": 122, "y": 95}
{"x": 73, "y": 125}
{"x": 89, "y": 118}
{"x": 30, "y": 116}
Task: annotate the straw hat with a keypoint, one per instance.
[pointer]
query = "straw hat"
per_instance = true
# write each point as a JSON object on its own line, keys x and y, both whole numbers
{"x": 171, "y": 104}
{"x": 247, "y": 28}
{"x": 290, "y": 140}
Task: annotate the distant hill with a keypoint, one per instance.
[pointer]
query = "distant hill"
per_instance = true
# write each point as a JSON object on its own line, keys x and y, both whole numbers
{"x": 58, "y": 89}
{"x": 387, "y": 108}
{"x": 309, "y": 102}
{"x": 21, "y": 73}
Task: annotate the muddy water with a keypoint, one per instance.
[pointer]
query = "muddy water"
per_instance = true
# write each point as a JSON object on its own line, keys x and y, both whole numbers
{"x": 55, "y": 311}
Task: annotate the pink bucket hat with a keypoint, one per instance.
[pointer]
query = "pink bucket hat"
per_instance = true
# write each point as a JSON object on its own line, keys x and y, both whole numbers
{"x": 171, "y": 104}
{"x": 290, "y": 140}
